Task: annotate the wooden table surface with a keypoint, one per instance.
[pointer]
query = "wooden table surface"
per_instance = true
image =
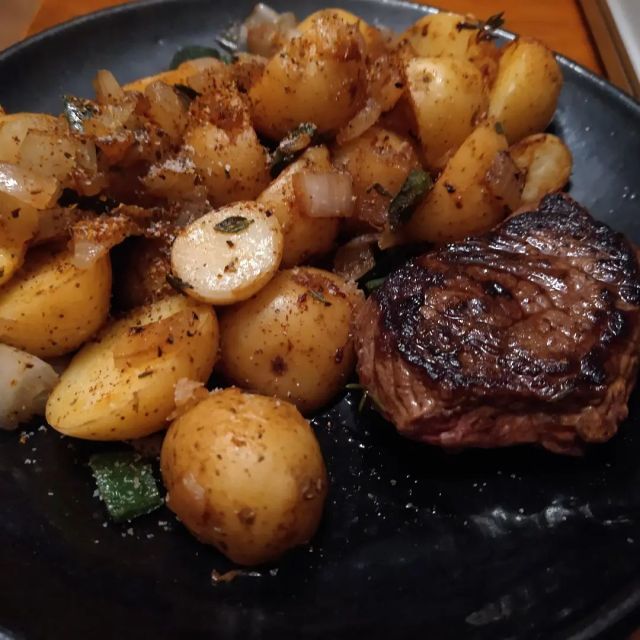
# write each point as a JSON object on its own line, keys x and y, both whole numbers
{"x": 559, "y": 23}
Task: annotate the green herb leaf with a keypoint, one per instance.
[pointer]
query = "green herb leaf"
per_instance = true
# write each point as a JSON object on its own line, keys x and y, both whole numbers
{"x": 499, "y": 128}
{"x": 378, "y": 188}
{"x": 178, "y": 283}
{"x": 77, "y": 110}
{"x": 485, "y": 27}
{"x": 233, "y": 224}
{"x": 418, "y": 182}
{"x": 186, "y": 91}
{"x": 194, "y": 51}
{"x": 374, "y": 284}
{"x": 291, "y": 146}
{"x": 319, "y": 297}
{"x": 125, "y": 484}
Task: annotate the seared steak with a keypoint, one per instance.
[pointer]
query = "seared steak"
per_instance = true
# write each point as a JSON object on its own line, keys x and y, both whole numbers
{"x": 526, "y": 334}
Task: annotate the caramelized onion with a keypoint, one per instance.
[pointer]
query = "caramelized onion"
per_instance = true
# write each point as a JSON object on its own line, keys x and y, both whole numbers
{"x": 107, "y": 88}
{"x": 355, "y": 258}
{"x": 25, "y": 385}
{"x": 38, "y": 191}
{"x": 324, "y": 195}
{"x": 361, "y": 122}
{"x": 266, "y": 30}
{"x": 505, "y": 181}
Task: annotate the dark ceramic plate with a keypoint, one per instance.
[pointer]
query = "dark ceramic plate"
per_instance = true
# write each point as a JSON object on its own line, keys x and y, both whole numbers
{"x": 415, "y": 543}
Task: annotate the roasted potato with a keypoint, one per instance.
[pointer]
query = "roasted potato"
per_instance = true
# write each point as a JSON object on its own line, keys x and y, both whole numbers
{"x": 19, "y": 223}
{"x": 379, "y": 162}
{"x": 121, "y": 385}
{"x": 245, "y": 474}
{"x": 525, "y": 94}
{"x": 448, "y": 98}
{"x": 51, "y": 307}
{"x": 319, "y": 76}
{"x": 293, "y": 339}
{"x": 304, "y": 236}
{"x": 440, "y": 36}
{"x": 546, "y": 163}
{"x": 227, "y": 255}
{"x": 464, "y": 200}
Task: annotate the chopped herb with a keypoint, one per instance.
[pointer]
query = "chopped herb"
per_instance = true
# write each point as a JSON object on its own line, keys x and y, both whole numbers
{"x": 485, "y": 27}
{"x": 186, "y": 91}
{"x": 125, "y": 484}
{"x": 319, "y": 297}
{"x": 192, "y": 52}
{"x": 374, "y": 284}
{"x": 499, "y": 128}
{"x": 418, "y": 182}
{"x": 77, "y": 110}
{"x": 366, "y": 396}
{"x": 233, "y": 224}
{"x": 291, "y": 146}
{"x": 378, "y": 188}
{"x": 177, "y": 283}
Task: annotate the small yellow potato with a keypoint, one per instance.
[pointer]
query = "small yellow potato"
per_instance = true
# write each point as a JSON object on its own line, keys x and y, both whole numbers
{"x": 319, "y": 76}
{"x": 19, "y": 224}
{"x": 545, "y": 161}
{"x": 233, "y": 163}
{"x": 525, "y": 94}
{"x": 121, "y": 385}
{"x": 303, "y": 236}
{"x": 448, "y": 98}
{"x": 228, "y": 255}
{"x": 461, "y": 202}
{"x": 51, "y": 307}
{"x": 379, "y": 162}
{"x": 245, "y": 473}
{"x": 293, "y": 339}
{"x": 439, "y": 36}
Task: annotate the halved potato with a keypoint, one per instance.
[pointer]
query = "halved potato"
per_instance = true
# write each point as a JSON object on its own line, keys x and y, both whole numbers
{"x": 546, "y": 163}
{"x": 303, "y": 236}
{"x": 18, "y": 225}
{"x": 229, "y": 254}
{"x": 51, "y": 307}
{"x": 448, "y": 98}
{"x": 462, "y": 201}
{"x": 525, "y": 94}
{"x": 121, "y": 385}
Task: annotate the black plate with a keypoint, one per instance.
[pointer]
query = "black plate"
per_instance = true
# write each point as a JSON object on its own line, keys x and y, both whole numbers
{"x": 415, "y": 543}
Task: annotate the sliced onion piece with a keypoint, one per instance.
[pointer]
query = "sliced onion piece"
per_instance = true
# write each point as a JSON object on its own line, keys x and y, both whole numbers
{"x": 107, "y": 88}
{"x": 324, "y": 195}
{"x": 505, "y": 181}
{"x": 266, "y": 30}
{"x": 25, "y": 385}
{"x": 355, "y": 258}
{"x": 361, "y": 122}
{"x": 38, "y": 191}
{"x": 227, "y": 255}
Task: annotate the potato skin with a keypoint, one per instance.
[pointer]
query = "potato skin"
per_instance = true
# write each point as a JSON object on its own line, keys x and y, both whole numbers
{"x": 245, "y": 474}
{"x": 287, "y": 343}
{"x": 460, "y": 202}
{"x": 525, "y": 94}
{"x": 121, "y": 385}
{"x": 50, "y": 307}
{"x": 319, "y": 77}
{"x": 303, "y": 236}
{"x": 448, "y": 98}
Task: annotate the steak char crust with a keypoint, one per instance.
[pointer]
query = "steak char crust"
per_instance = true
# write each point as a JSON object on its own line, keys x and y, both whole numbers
{"x": 527, "y": 334}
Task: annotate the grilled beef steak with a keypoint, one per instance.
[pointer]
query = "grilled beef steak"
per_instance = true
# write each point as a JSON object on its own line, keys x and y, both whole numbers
{"x": 526, "y": 334}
